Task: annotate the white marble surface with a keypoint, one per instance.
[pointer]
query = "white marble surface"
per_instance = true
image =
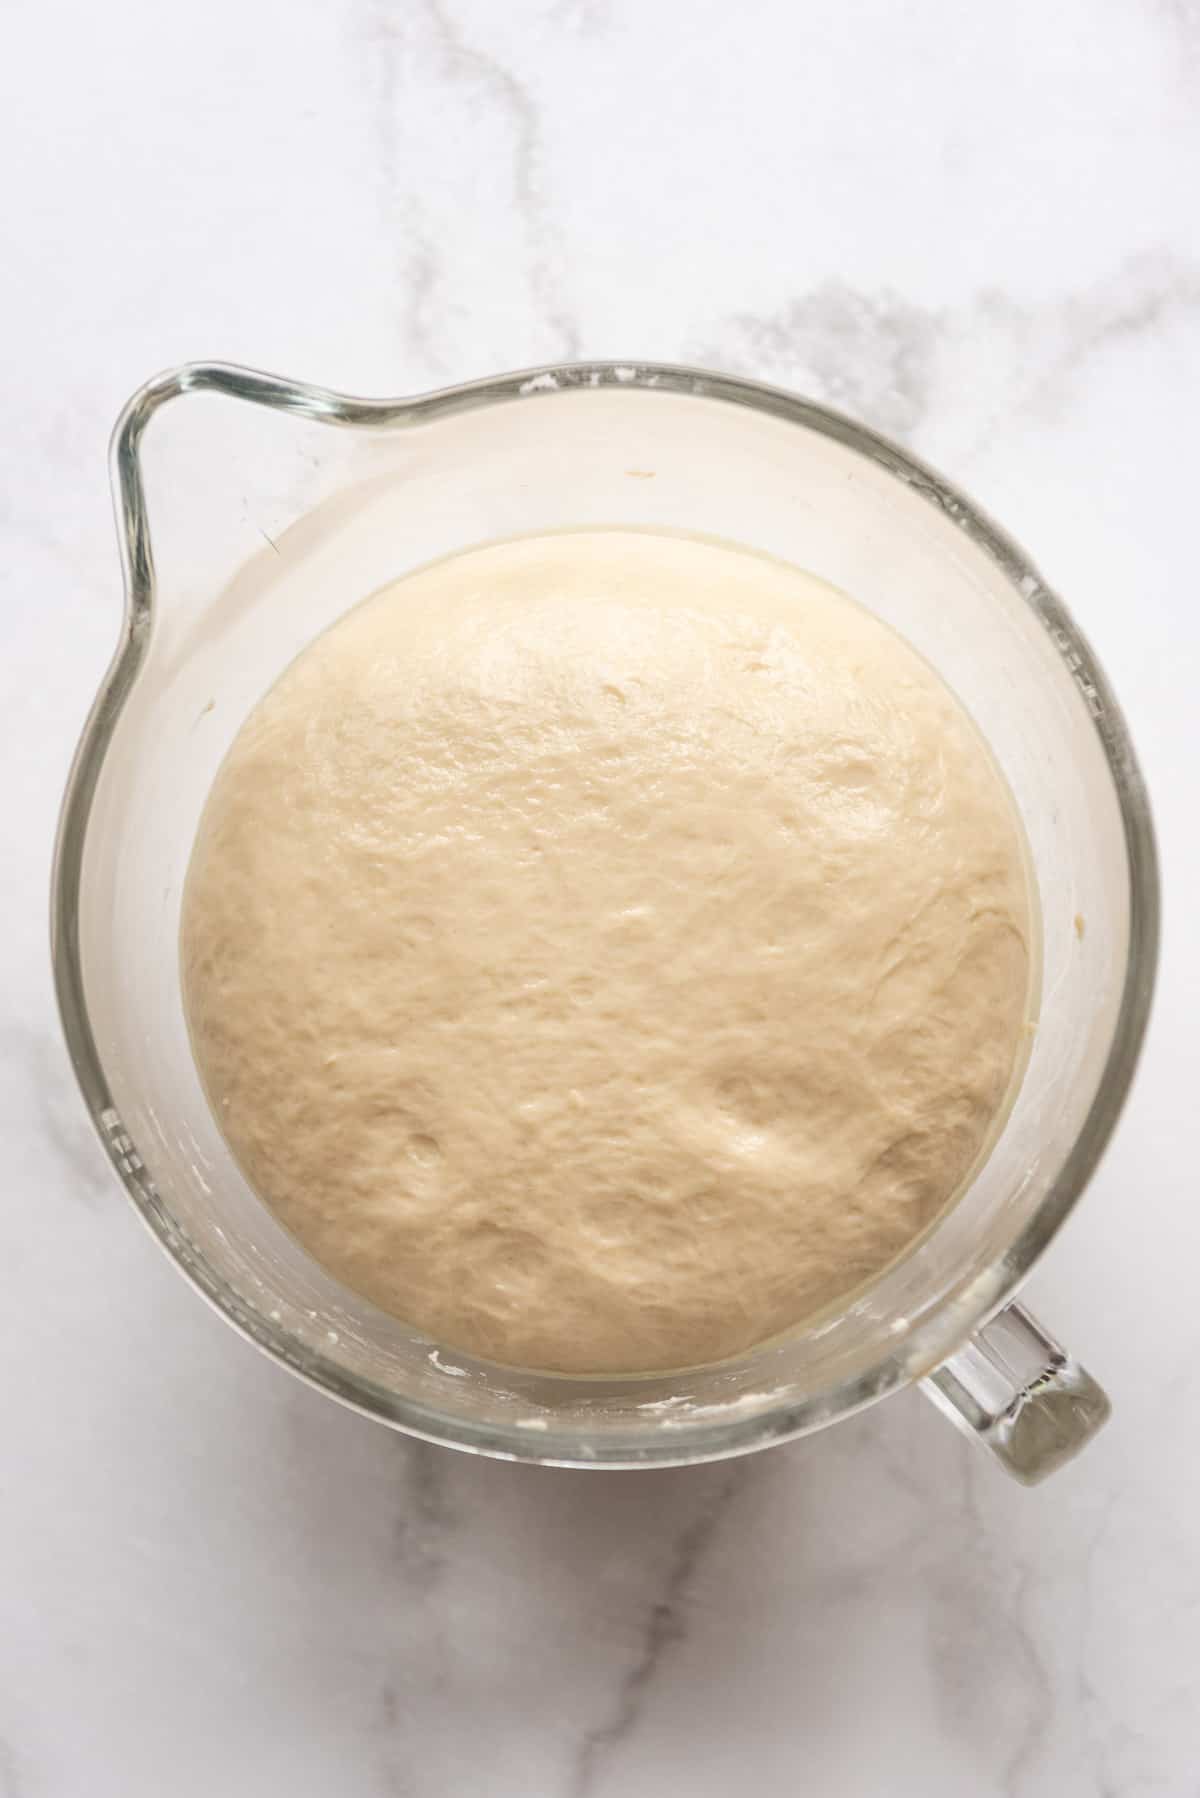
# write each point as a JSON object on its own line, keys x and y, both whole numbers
{"x": 973, "y": 225}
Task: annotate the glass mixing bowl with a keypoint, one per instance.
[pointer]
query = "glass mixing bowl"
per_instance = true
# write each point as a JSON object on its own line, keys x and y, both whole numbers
{"x": 253, "y": 516}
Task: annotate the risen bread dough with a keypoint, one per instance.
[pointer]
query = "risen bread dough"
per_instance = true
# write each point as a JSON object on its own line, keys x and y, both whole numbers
{"x": 605, "y": 950}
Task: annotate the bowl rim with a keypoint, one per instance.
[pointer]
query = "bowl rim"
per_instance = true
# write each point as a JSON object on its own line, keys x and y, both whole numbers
{"x": 928, "y": 1340}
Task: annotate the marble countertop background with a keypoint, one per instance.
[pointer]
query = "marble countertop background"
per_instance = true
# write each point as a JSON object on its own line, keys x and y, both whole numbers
{"x": 975, "y": 226}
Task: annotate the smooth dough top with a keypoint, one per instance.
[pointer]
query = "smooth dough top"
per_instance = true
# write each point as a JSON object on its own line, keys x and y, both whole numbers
{"x": 605, "y": 950}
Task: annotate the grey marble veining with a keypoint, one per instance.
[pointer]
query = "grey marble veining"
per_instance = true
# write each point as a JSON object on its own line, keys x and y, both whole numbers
{"x": 898, "y": 365}
{"x": 973, "y": 228}
{"x": 870, "y": 355}
{"x": 427, "y": 50}
{"x": 666, "y": 1623}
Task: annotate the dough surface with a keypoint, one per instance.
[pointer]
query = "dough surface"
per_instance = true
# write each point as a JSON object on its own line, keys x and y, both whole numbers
{"x": 605, "y": 950}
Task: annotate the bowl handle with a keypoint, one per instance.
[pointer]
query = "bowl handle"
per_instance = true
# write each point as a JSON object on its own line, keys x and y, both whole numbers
{"x": 1016, "y": 1391}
